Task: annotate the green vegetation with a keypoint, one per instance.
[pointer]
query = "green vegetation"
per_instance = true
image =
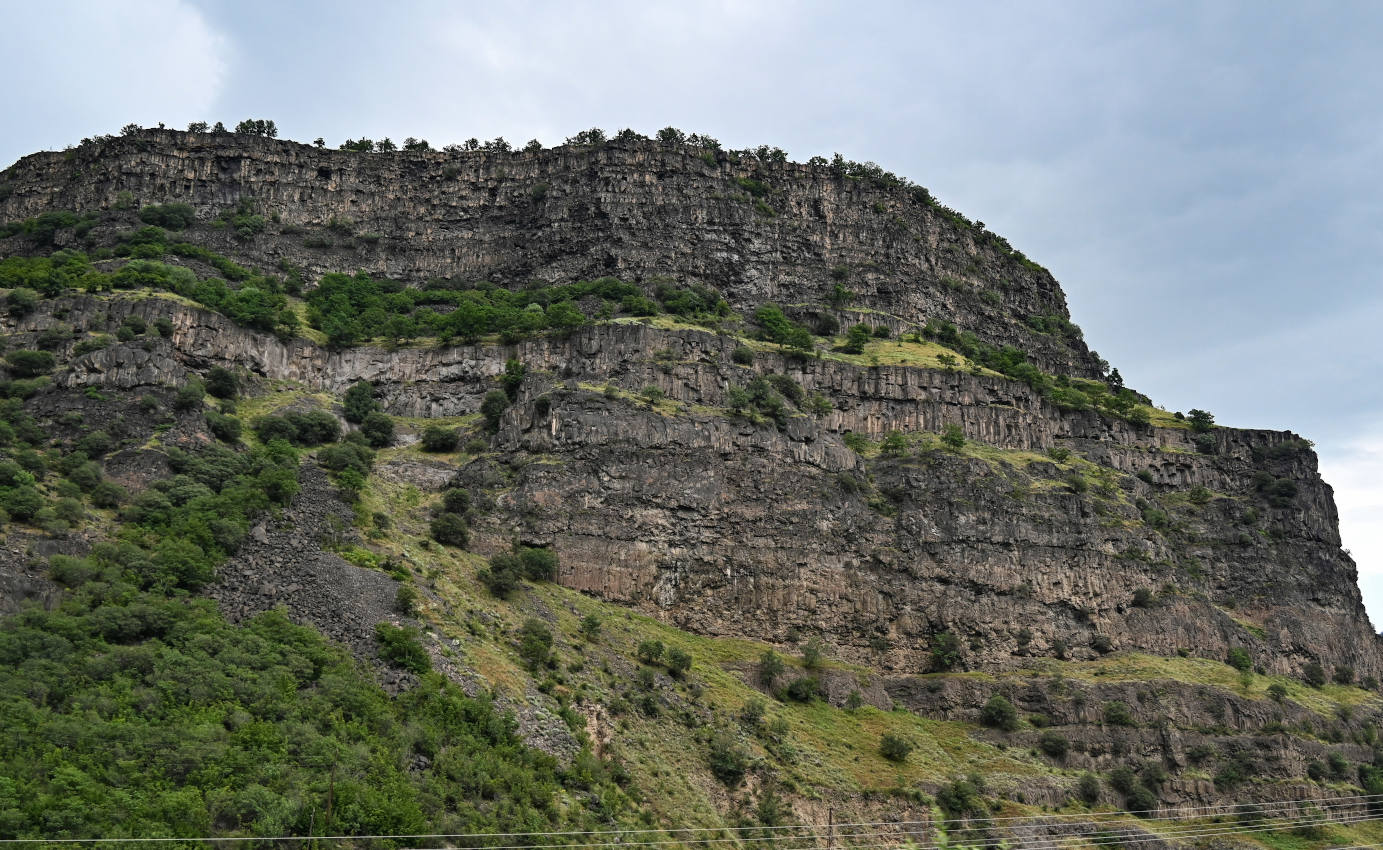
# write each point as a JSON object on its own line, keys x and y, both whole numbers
{"x": 894, "y": 747}
{"x": 132, "y": 698}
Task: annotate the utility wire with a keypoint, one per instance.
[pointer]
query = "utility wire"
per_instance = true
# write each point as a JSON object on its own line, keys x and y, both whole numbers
{"x": 1265, "y": 809}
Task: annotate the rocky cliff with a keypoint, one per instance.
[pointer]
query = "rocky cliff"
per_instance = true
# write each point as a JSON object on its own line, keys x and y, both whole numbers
{"x": 635, "y": 210}
{"x": 916, "y": 513}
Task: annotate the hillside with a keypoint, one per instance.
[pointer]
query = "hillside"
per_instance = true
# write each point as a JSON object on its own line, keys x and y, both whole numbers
{"x": 723, "y": 475}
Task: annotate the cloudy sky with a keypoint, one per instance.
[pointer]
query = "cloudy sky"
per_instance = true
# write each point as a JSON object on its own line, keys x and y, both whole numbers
{"x": 1205, "y": 179}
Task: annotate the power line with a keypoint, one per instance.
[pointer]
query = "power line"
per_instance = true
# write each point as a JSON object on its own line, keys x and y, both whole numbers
{"x": 1075, "y": 818}
{"x": 1100, "y": 837}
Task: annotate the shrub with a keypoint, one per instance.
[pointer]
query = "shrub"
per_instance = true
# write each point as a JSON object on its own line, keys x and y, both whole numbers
{"x": 1142, "y": 802}
{"x": 1277, "y": 691}
{"x": 401, "y": 647}
{"x": 678, "y": 662}
{"x": 450, "y": 530}
{"x": 963, "y": 797}
{"x": 1344, "y": 675}
{"x": 378, "y": 429}
{"x": 340, "y": 457}
{"x": 1123, "y": 779}
{"x": 30, "y": 364}
{"x": 743, "y": 355}
{"x": 895, "y": 748}
{"x": 21, "y": 301}
{"x": 1088, "y": 788}
{"x": 455, "y": 500}
{"x": 512, "y": 378}
{"x": 999, "y": 713}
{"x": 590, "y": 627}
{"x": 952, "y": 437}
{"x": 535, "y": 642}
{"x": 1143, "y": 598}
{"x": 538, "y": 564}
{"x": 21, "y": 502}
{"x": 168, "y": 216}
{"x": 222, "y": 383}
{"x": 107, "y": 494}
{"x": 650, "y": 651}
{"x": 803, "y": 689}
{"x": 95, "y": 444}
{"x": 770, "y": 668}
{"x": 502, "y": 576}
{"x": 1116, "y": 713}
{"x": 406, "y": 600}
{"x": 728, "y": 761}
{"x": 1313, "y": 674}
{"x": 359, "y": 402}
{"x": 813, "y": 653}
{"x": 438, "y": 439}
{"x": 945, "y": 651}
{"x": 1053, "y": 744}
{"x": 315, "y": 427}
{"x": 492, "y": 407}
{"x": 189, "y": 396}
{"x": 1239, "y": 658}
{"x": 227, "y": 429}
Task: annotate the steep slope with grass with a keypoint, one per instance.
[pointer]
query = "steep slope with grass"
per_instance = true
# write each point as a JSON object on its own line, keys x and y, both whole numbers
{"x": 694, "y": 546}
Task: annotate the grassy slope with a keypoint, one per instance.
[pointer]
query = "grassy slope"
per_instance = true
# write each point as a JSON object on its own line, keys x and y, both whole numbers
{"x": 832, "y": 753}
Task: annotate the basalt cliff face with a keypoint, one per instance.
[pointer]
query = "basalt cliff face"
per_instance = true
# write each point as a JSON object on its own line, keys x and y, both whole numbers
{"x": 636, "y": 211}
{"x": 1039, "y": 534}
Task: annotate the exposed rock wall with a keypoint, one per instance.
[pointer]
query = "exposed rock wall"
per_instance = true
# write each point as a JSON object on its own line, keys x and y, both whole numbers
{"x": 635, "y": 210}
{"x": 725, "y": 526}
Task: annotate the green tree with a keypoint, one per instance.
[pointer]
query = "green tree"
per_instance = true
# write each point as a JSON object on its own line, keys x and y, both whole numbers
{"x": 857, "y": 338}
{"x": 450, "y": 530}
{"x": 1200, "y": 420}
{"x": 946, "y": 651}
{"x": 1088, "y": 788}
{"x": 222, "y": 383}
{"x": 378, "y": 429}
{"x": 359, "y": 402}
{"x": 438, "y": 439}
{"x": 29, "y": 364}
{"x": 512, "y": 378}
{"x": 953, "y": 437}
{"x": 538, "y": 563}
{"x": 999, "y": 713}
{"x": 678, "y": 662}
{"x": 492, "y": 407}
{"x": 1116, "y": 713}
{"x": 650, "y": 651}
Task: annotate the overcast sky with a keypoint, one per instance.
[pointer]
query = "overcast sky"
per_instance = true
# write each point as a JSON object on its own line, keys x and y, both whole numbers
{"x": 1203, "y": 178}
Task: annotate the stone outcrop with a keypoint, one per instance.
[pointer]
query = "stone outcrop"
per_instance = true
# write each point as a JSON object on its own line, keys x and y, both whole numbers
{"x": 727, "y": 526}
{"x": 636, "y": 210}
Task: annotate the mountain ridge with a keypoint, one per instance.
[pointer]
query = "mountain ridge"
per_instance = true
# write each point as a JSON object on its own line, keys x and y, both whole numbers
{"x": 719, "y": 404}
